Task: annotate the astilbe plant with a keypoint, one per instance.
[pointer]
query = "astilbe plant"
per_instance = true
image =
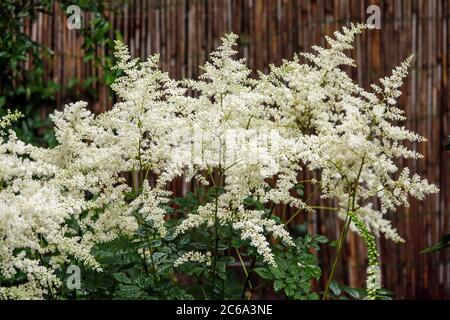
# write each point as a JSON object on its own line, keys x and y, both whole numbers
{"x": 242, "y": 142}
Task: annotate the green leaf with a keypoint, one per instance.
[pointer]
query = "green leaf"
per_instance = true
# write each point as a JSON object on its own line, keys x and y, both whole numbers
{"x": 313, "y": 296}
{"x": 264, "y": 273}
{"x": 2, "y": 101}
{"x": 277, "y": 285}
{"x": 122, "y": 278}
{"x": 443, "y": 243}
{"x": 334, "y": 243}
{"x": 321, "y": 239}
{"x": 447, "y": 147}
{"x": 159, "y": 255}
{"x": 335, "y": 288}
{"x": 355, "y": 293}
{"x": 299, "y": 188}
{"x": 72, "y": 82}
{"x": 384, "y": 294}
{"x": 129, "y": 292}
{"x": 276, "y": 271}
{"x": 155, "y": 243}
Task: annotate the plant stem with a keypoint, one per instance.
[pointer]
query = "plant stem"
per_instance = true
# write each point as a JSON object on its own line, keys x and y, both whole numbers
{"x": 341, "y": 244}
{"x": 216, "y": 226}
{"x": 229, "y": 251}
{"x": 247, "y": 279}
{"x": 216, "y": 234}
{"x": 296, "y": 213}
{"x": 348, "y": 219}
{"x": 243, "y": 267}
{"x": 203, "y": 291}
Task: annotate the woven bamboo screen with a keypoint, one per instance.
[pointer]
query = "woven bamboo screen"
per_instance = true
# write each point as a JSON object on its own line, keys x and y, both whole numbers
{"x": 184, "y": 32}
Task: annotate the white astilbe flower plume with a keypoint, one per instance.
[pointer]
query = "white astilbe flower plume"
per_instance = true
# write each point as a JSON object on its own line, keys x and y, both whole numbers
{"x": 245, "y": 139}
{"x": 193, "y": 256}
{"x": 350, "y": 136}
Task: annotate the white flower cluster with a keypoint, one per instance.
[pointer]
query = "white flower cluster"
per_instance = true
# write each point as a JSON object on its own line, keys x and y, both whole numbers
{"x": 251, "y": 224}
{"x": 351, "y": 136}
{"x": 60, "y": 202}
{"x": 373, "y": 281}
{"x": 57, "y": 203}
{"x": 9, "y": 118}
{"x": 193, "y": 256}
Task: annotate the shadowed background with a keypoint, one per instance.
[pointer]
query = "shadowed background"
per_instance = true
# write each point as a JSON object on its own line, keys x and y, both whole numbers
{"x": 185, "y": 32}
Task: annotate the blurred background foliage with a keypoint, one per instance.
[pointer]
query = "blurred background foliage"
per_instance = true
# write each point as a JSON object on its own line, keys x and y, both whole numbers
{"x": 23, "y": 85}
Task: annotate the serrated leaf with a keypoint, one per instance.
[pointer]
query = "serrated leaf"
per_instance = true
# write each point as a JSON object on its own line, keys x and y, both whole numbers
{"x": 154, "y": 243}
{"x": 129, "y": 292}
{"x": 159, "y": 255}
{"x": 122, "y": 278}
{"x": 277, "y": 285}
{"x": 264, "y": 273}
{"x": 276, "y": 272}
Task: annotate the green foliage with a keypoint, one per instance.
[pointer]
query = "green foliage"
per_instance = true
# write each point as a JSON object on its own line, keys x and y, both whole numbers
{"x": 296, "y": 267}
{"x": 342, "y": 292}
{"x": 24, "y": 89}
{"x": 443, "y": 243}
{"x": 27, "y": 89}
{"x": 98, "y": 34}
{"x": 129, "y": 274}
{"x": 142, "y": 266}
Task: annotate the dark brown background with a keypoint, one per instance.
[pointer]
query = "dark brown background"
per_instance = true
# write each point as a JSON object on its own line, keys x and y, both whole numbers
{"x": 184, "y": 32}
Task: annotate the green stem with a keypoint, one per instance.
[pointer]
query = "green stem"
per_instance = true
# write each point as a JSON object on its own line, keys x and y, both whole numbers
{"x": 203, "y": 291}
{"x": 229, "y": 250}
{"x": 348, "y": 219}
{"x": 243, "y": 267}
{"x": 247, "y": 282}
{"x": 216, "y": 234}
{"x": 296, "y": 213}
{"x": 340, "y": 248}
{"x": 216, "y": 225}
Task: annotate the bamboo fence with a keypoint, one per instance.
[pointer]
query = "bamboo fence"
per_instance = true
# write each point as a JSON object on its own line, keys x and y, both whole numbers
{"x": 185, "y": 32}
